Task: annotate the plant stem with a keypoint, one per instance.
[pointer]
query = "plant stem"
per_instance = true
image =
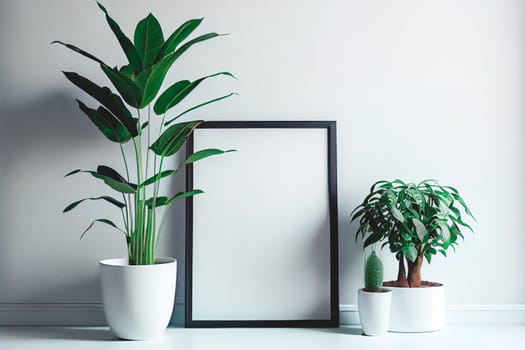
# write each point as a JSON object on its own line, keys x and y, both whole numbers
{"x": 127, "y": 217}
{"x": 149, "y": 139}
{"x": 138, "y": 233}
{"x": 125, "y": 221}
{"x": 156, "y": 187}
{"x": 157, "y": 238}
{"x": 401, "y": 274}
{"x": 125, "y": 161}
{"x": 414, "y": 271}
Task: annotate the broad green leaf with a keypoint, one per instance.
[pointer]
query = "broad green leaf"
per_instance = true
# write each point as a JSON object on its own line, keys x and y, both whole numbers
{"x": 130, "y": 91}
{"x": 110, "y": 178}
{"x": 152, "y": 78}
{"x": 205, "y": 153}
{"x": 410, "y": 252}
{"x": 185, "y": 194}
{"x": 113, "y": 179}
{"x": 144, "y": 125}
{"x": 160, "y": 106}
{"x": 108, "y": 99}
{"x": 128, "y": 71}
{"x": 80, "y": 51}
{"x": 372, "y": 239}
{"x": 178, "y": 91}
{"x": 126, "y": 44}
{"x": 109, "y": 199}
{"x": 159, "y": 201}
{"x": 76, "y": 171}
{"x": 178, "y": 36}
{"x": 157, "y": 177}
{"x": 192, "y": 42}
{"x": 450, "y": 188}
{"x": 148, "y": 39}
{"x": 110, "y": 126}
{"x": 406, "y": 236}
{"x": 445, "y": 232}
{"x": 104, "y": 221}
{"x": 397, "y": 214}
{"x": 421, "y": 230}
{"x": 380, "y": 183}
{"x": 198, "y": 106}
{"x": 458, "y": 219}
{"x": 428, "y": 256}
{"x": 160, "y": 69}
{"x": 173, "y": 138}
{"x": 462, "y": 202}
{"x": 357, "y": 212}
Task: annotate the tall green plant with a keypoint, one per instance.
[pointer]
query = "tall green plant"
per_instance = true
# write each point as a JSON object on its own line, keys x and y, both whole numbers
{"x": 150, "y": 56}
{"x": 416, "y": 221}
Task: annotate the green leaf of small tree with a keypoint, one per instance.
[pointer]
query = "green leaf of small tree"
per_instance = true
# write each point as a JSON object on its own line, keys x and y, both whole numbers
{"x": 185, "y": 194}
{"x": 157, "y": 177}
{"x": 410, "y": 252}
{"x": 108, "y": 199}
{"x": 113, "y": 179}
{"x": 108, "y": 99}
{"x": 445, "y": 232}
{"x": 126, "y": 44}
{"x": 110, "y": 178}
{"x": 157, "y": 201}
{"x": 80, "y": 51}
{"x": 155, "y": 78}
{"x": 148, "y": 39}
{"x": 199, "y": 106}
{"x": 178, "y": 91}
{"x": 205, "y": 153}
{"x": 110, "y": 126}
{"x": 162, "y": 201}
{"x": 104, "y": 221}
{"x": 127, "y": 88}
{"x": 173, "y": 138}
{"x": 397, "y": 214}
{"x": 178, "y": 36}
{"x": 421, "y": 230}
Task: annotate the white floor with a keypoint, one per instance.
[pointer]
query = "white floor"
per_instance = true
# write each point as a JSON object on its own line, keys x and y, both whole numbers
{"x": 507, "y": 337}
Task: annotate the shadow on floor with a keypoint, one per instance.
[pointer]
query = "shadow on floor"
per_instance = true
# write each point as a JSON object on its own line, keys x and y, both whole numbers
{"x": 351, "y": 330}
{"x": 66, "y": 333}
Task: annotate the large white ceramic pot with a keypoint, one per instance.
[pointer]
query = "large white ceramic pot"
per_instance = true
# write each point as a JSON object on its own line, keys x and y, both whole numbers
{"x": 374, "y": 311}
{"x": 417, "y": 309}
{"x": 138, "y": 299}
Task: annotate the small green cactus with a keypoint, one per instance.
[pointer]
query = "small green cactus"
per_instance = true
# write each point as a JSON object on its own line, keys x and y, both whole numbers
{"x": 373, "y": 272}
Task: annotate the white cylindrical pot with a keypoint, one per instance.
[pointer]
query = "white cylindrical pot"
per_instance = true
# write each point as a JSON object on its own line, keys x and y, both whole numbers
{"x": 417, "y": 309}
{"x": 138, "y": 299}
{"x": 374, "y": 311}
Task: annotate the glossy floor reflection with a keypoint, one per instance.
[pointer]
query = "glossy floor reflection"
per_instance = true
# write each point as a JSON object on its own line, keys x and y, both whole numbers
{"x": 507, "y": 337}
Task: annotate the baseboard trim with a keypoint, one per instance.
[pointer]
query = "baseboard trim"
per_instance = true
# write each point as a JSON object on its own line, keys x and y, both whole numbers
{"x": 459, "y": 314}
{"x": 93, "y": 314}
{"x": 52, "y": 315}
{"x": 63, "y": 315}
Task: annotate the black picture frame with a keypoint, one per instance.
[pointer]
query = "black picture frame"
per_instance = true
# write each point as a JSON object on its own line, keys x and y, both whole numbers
{"x": 331, "y": 153}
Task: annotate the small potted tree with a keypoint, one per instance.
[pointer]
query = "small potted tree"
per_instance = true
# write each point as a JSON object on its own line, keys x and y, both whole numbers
{"x": 416, "y": 221}
{"x": 138, "y": 291}
{"x": 373, "y": 301}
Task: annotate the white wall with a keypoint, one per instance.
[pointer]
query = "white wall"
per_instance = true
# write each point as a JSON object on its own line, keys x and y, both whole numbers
{"x": 419, "y": 89}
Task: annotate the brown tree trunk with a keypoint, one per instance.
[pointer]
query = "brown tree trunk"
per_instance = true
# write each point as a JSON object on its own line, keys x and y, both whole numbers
{"x": 401, "y": 275}
{"x": 414, "y": 271}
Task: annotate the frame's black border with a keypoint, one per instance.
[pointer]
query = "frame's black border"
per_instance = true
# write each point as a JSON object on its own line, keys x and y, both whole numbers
{"x": 333, "y": 321}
